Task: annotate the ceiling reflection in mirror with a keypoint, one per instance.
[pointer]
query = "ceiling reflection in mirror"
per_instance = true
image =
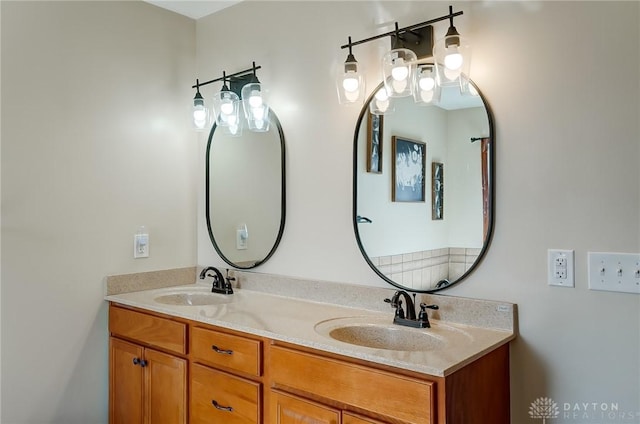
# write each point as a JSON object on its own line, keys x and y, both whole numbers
{"x": 435, "y": 239}
{"x": 245, "y": 193}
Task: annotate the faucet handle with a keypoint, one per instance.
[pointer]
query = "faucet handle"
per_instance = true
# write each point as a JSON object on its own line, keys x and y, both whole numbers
{"x": 423, "y": 316}
{"x": 229, "y": 278}
{"x": 396, "y": 303}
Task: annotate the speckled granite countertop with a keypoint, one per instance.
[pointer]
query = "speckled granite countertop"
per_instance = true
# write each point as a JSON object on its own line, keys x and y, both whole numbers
{"x": 305, "y": 323}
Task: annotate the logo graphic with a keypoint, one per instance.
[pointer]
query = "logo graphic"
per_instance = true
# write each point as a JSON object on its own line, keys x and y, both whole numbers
{"x": 544, "y": 408}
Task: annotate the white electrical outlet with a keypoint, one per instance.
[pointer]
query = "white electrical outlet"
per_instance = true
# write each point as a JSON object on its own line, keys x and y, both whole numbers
{"x": 242, "y": 237}
{"x": 141, "y": 244}
{"x": 619, "y": 272}
{"x": 560, "y": 267}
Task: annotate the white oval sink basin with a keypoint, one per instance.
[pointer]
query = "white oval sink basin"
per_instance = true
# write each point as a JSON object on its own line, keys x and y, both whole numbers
{"x": 193, "y": 299}
{"x": 376, "y": 333}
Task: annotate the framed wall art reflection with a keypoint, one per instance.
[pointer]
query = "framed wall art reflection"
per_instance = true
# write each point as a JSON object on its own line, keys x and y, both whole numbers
{"x": 374, "y": 143}
{"x": 408, "y": 170}
{"x": 437, "y": 191}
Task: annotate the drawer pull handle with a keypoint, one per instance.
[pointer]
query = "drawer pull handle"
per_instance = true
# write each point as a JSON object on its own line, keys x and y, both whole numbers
{"x": 220, "y": 407}
{"x": 222, "y": 351}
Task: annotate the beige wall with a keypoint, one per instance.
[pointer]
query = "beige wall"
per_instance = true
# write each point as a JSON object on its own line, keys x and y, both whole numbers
{"x": 562, "y": 79}
{"x": 97, "y": 162}
{"x": 95, "y": 143}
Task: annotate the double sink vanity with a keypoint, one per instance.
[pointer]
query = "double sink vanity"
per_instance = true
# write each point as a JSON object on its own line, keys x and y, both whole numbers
{"x": 277, "y": 351}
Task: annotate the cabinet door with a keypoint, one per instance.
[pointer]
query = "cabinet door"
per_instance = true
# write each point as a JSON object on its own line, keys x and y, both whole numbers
{"x": 126, "y": 382}
{"x": 166, "y": 388}
{"x": 288, "y": 409}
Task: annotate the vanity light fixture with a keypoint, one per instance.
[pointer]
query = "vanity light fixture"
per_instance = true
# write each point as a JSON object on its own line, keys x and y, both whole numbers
{"x": 225, "y": 105}
{"x": 254, "y": 102}
{"x": 398, "y": 69}
{"x": 243, "y": 91}
{"x": 426, "y": 89}
{"x": 350, "y": 83}
{"x": 381, "y": 103}
{"x": 201, "y": 114}
{"x": 452, "y": 56}
{"x": 414, "y": 66}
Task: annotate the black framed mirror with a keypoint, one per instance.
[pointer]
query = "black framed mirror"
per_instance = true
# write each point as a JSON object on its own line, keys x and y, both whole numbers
{"x": 245, "y": 193}
{"x": 423, "y": 189}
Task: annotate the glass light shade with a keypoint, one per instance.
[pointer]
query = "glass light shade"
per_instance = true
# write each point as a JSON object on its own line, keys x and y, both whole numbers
{"x": 453, "y": 59}
{"x": 225, "y": 105}
{"x": 398, "y": 67}
{"x": 200, "y": 116}
{"x": 350, "y": 84}
{"x": 256, "y": 109}
{"x": 381, "y": 104}
{"x": 426, "y": 90}
{"x": 236, "y": 123}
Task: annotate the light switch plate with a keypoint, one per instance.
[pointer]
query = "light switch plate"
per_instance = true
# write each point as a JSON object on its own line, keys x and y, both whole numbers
{"x": 618, "y": 272}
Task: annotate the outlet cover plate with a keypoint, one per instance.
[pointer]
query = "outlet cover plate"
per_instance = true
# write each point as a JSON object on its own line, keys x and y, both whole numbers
{"x": 560, "y": 268}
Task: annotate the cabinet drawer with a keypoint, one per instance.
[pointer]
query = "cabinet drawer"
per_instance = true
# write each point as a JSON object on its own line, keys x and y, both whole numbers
{"x": 381, "y": 392}
{"x": 226, "y": 350}
{"x": 288, "y": 409}
{"x": 238, "y": 399}
{"x": 148, "y": 329}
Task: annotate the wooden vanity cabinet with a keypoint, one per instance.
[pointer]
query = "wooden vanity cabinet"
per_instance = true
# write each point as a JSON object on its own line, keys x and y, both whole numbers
{"x": 146, "y": 385}
{"x": 236, "y": 378}
{"x": 366, "y": 393}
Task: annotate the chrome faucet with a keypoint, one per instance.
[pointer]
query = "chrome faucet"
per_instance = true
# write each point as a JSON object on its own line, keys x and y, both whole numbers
{"x": 220, "y": 284}
{"x": 409, "y": 319}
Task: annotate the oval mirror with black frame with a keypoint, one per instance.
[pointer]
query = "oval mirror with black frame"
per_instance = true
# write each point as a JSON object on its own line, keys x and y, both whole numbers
{"x": 423, "y": 189}
{"x": 245, "y": 193}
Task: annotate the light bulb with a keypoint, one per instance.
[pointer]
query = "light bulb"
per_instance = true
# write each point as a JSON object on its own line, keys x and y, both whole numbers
{"x": 257, "y": 113}
{"x": 255, "y": 99}
{"x": 200, "y": 124}
{"x": 427, "y": 83}
{"x": 350, "y": 84}
{"x": 399, "y": 72}
{"x": 226, "y": 107}
{"x": 259, "y": 123}
{"x": 199, "y": 113}
{"x": 232, "y": 120}
{"x": 382, "y": 95}
{"x": 382, "y": 105}
{"x": 399, "y": 85}
{"x": 233, "y": 129}
{"x": 352, "y": 96}
{"x": 199, "y": 117}
{"x": 452, "y": 74}
{"x": 453, "y": 59}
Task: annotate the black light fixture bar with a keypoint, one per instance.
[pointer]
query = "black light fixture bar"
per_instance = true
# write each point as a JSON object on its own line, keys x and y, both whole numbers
{"x": 401, "y": 31}
{"x": 228, "y": 77}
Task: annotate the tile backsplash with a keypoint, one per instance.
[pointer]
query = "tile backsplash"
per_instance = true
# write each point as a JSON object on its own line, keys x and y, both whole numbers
{"x": 424, "y": 269}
